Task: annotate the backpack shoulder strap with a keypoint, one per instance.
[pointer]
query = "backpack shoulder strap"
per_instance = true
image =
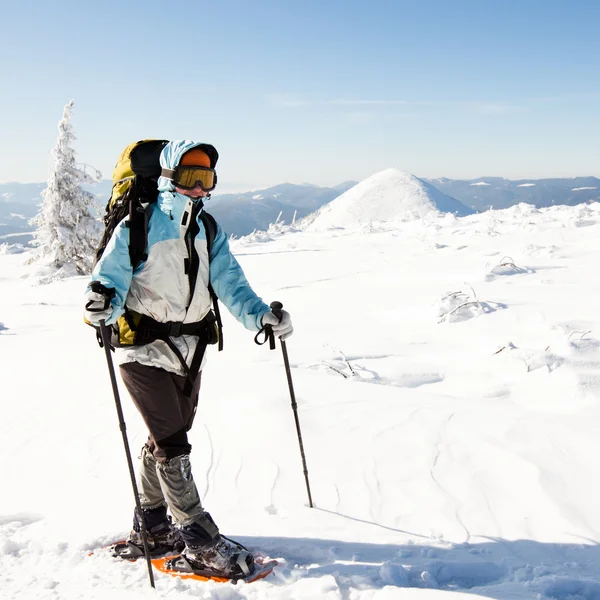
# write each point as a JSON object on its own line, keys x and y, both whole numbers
{"x": 140, "y": 195}
{"x": 210, "y": 225}
{"x": 211, "y": 228}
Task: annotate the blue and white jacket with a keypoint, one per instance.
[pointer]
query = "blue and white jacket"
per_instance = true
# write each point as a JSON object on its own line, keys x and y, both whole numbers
{"x": 159, "y": 287}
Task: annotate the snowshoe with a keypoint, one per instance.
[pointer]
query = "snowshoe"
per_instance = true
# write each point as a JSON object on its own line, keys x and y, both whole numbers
{"x": 221, "y": 557}
{"x": 182, "y": 568}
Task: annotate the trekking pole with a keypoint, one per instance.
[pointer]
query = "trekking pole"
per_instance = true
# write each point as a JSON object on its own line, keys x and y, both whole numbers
{"x": 276, "y": 309}
{"x": 105, "y": 334}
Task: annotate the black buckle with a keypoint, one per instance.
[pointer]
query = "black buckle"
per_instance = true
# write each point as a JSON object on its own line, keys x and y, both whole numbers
{"x": 174, "y": 328}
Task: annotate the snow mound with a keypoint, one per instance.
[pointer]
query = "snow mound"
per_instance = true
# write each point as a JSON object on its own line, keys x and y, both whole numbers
{"x": 390, "y": 195}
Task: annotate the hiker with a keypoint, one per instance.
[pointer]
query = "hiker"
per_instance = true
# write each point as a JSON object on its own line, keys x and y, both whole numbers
{"x": 167, "y": 296}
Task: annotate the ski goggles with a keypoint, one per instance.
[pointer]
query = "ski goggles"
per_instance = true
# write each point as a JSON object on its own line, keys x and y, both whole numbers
{"x": 189, "y": 177}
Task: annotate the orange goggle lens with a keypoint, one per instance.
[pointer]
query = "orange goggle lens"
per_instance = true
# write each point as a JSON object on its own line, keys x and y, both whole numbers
{"x": 188, "y": 178}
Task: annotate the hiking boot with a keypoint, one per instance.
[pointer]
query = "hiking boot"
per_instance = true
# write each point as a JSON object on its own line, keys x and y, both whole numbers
{"x": 220, "y": 556}
{"x": 162, "y": 539}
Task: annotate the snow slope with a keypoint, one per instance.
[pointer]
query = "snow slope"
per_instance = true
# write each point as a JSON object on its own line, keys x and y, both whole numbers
{"x": 390, "y": 195}
{"x": 447, "y": 372}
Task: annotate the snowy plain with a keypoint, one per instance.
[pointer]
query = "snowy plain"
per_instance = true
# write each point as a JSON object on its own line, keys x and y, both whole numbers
{"x": 447, "y": 372}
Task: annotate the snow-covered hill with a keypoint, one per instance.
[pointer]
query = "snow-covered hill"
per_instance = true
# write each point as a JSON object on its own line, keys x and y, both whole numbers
{"x": 447, "y": 373}
{"x": 390, "y": 195}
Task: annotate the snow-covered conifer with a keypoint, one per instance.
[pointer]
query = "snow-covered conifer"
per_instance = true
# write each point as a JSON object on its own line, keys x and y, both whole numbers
{"x": 67, "y": 230}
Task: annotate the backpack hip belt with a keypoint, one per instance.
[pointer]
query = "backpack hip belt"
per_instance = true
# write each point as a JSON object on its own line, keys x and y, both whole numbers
{"x": 206, "y": 330}
{"x": 148, "y": 330}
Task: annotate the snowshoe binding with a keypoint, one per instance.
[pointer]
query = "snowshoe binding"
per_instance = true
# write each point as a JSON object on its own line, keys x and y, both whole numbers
{"x": 163, "y": 539}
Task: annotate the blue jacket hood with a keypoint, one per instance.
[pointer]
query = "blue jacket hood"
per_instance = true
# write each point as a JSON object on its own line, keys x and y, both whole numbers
{"x": 169, "y": 159}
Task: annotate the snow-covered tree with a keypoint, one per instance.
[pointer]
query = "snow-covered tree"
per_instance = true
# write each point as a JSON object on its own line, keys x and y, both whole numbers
{"x": 67, "y": 230}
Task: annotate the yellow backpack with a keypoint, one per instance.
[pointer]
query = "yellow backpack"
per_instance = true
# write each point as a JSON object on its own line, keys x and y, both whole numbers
{"x": 135, "y": 179}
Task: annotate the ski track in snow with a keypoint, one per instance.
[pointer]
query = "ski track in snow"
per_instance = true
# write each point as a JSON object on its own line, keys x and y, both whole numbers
{"x": 439, "y": 445}
{"x": 211, "y": 464}
{"x": 463, "y": 466}
{"x": 238, "y": 473}
{"x": 271, "y": 508}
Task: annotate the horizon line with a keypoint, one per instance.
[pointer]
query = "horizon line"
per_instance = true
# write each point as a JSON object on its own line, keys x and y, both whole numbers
{"x": 253, "y": 187}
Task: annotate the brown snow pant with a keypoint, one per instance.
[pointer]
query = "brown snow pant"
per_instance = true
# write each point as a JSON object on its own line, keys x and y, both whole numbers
{"x": 166, "y": 410}
{"x": 165, "y": 477}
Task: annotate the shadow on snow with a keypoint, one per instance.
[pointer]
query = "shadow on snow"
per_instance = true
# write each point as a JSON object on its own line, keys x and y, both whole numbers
{"x": 495, "y": 568}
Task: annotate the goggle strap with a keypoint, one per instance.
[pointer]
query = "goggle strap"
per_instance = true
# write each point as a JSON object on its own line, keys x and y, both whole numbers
{"x": 168, "y": 173}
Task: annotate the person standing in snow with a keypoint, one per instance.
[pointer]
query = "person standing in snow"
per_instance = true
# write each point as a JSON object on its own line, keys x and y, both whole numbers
{"x": 172, "y": 287}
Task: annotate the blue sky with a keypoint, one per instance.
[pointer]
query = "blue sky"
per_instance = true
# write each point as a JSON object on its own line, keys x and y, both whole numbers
{"x": 308, "y": 91}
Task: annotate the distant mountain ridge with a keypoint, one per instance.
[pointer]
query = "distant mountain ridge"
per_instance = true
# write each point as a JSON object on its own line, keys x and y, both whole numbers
{"x": 495, "y": 192}
{"x": 241, "y": 213}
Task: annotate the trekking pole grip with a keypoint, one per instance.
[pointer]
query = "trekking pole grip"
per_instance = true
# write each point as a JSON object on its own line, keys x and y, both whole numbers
{"x": 276, "y": 308}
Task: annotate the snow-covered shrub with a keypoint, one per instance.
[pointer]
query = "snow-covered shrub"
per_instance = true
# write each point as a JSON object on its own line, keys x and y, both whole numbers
{"x": 462, "y": 305}
{"x": 506, "y": 267}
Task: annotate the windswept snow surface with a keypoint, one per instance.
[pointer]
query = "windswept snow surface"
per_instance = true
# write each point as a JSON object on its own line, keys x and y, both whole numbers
{"x": 447, "y": 373}
{"x": 388, "y": 196}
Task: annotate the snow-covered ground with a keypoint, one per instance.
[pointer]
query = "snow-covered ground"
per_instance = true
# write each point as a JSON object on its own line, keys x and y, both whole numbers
{"x": 447, "y": 373}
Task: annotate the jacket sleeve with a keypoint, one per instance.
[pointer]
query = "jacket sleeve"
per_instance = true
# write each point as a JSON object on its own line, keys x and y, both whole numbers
{"x": 114, "y": 269}
{"x": 232, "y": 287}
